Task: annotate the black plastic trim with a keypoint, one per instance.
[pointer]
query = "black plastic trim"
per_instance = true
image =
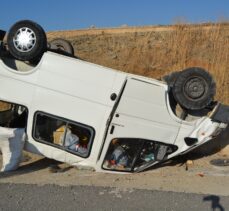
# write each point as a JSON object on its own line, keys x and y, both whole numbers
{"x": 2, "y": 35}
{"x": 221, "y": 114}
{"x": 190, "y": 141}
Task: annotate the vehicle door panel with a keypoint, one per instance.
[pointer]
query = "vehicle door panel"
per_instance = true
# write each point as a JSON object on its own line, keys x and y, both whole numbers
{"x": 142, "y": 113}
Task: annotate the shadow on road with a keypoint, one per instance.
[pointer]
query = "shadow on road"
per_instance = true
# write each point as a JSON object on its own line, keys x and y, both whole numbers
{"x": 215, "y": 202}
{"x": 31, "y": 167}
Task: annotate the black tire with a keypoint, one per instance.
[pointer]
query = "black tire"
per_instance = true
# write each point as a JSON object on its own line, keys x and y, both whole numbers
{"x": 30, "y": 47}
{"x": 62, "y": 46}
{"x": 194, "y": 89}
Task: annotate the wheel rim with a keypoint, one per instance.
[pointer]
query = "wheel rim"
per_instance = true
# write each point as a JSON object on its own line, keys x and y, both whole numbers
{"x": 195, "y": 88}
{"x": 24, "y": 40}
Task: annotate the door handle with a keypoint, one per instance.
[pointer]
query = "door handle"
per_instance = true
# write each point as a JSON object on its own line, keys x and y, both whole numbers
{"x": 112, "y": 129}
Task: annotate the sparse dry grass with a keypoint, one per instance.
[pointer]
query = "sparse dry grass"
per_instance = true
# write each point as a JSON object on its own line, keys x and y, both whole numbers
{"x": 185, "y": 47}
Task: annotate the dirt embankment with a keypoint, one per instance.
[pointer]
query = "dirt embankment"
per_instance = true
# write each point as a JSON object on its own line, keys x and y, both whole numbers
{"x": 156, "y": 51}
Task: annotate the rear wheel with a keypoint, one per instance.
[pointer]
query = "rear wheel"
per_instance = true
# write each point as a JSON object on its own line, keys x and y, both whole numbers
{"x": 62, "y": 46}
{"x": 194, "y": 88}
{"x": 27, "y": 40}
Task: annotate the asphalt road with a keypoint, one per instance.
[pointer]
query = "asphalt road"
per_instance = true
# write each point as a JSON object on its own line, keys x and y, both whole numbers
{"x": 53, "y": 197}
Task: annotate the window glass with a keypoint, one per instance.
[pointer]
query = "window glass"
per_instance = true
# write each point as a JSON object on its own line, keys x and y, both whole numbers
{"x": 121, "y": 154}
{"x": 13, "y": 115}
{"x": 49, "y": 129}
{"x": 73, "y": 137}
{"x": 134, "y": 154}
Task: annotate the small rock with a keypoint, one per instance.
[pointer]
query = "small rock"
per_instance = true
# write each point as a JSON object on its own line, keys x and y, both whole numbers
{"x": 189, "y": 163}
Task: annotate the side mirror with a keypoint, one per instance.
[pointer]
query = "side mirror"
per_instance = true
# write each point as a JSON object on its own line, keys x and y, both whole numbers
{"x": 2, "y": 35}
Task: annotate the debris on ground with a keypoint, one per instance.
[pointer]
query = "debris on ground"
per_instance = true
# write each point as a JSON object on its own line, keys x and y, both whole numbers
{"x": 188, "y": 164}
{"x": 59, "y": 167}
{"x": 201, "y": 174}
{"x": 220, "y": 162}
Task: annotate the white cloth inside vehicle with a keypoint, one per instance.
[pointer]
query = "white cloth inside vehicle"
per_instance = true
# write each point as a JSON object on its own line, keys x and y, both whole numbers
{"x": 11, "y": 144}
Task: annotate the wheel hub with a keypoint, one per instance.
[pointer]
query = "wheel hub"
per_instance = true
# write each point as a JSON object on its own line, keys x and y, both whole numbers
{"x": 195, "y": 88}
{"x": 24, "y": 40}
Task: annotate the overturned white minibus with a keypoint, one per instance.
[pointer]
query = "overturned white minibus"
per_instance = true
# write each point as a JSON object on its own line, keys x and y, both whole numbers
{"x": 87, "y": 115}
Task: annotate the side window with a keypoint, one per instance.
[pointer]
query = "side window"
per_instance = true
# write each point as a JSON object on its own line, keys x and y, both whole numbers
{"x": 135, "y": 154}
{"x": 70, "y": 136}
{"x": 5, "y": 106}
{"x": 13, "y": 115}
